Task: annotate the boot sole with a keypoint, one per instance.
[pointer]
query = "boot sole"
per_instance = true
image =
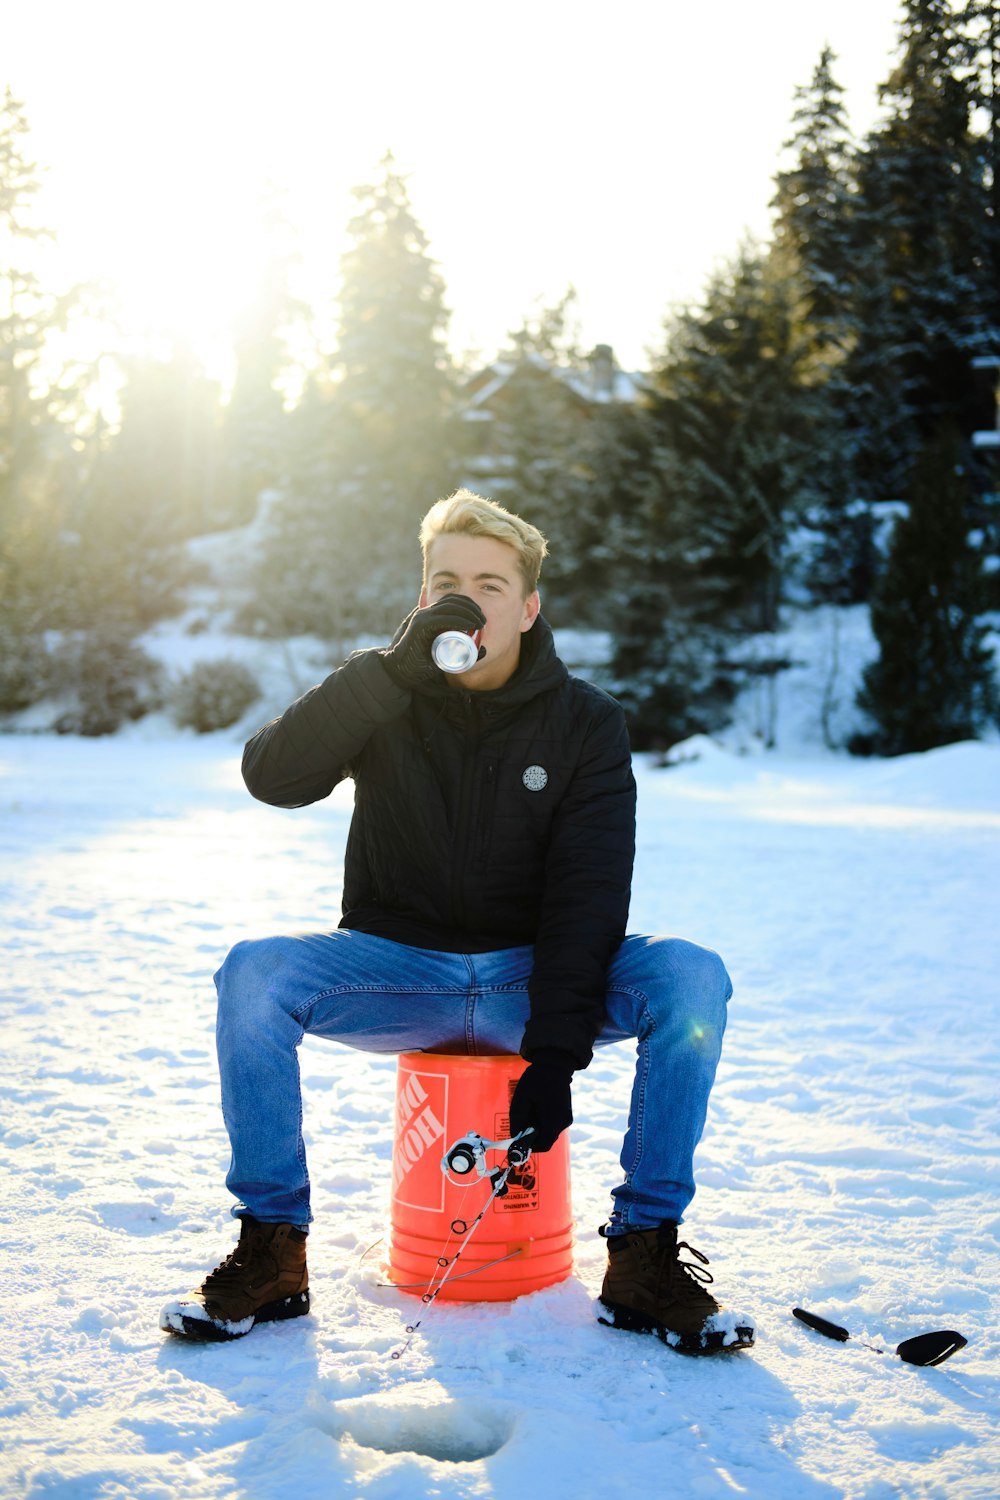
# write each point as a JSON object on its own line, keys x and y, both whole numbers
{"x": 713, "y": 1342}
{"x": 206, "y": 1331}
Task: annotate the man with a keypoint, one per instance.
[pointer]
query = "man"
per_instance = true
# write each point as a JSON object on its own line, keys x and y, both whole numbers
{"x": 486, "y": 890}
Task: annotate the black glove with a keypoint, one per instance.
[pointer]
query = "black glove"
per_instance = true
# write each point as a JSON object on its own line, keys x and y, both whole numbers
{"x": 542, "y": 1099}
{"x": 408, "y": 660}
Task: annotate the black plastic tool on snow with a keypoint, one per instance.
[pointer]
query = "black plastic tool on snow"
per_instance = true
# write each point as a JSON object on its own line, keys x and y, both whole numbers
{"x": 924, "y": 1349}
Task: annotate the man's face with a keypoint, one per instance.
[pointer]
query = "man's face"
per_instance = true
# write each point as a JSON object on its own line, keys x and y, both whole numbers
{"x": 484, "y": 570}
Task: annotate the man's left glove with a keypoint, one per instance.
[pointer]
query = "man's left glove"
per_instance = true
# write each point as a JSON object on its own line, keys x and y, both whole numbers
{"x": 408, "y": 660}
{"x": 542, "y": 1099}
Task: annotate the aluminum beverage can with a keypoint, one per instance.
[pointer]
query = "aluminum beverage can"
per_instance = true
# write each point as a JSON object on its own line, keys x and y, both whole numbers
{"x": 454, "y": 651}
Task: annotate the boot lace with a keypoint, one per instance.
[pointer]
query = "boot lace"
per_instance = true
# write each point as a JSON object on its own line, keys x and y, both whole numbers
{"x": 690, "y": 1285}
{"x": 235, "y": 1269}
{"x": 696, "y": 1268}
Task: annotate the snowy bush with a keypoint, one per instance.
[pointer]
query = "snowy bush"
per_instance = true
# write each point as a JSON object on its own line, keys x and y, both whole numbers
{"x": 213, "y": 695}
{"x": 110, "y": 677}
{"x": 24, "y": 670}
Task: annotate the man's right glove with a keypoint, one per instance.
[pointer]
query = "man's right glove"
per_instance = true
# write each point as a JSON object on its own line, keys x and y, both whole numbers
{"x": 408, "y": 660}
{"x": 542, "y": 1099}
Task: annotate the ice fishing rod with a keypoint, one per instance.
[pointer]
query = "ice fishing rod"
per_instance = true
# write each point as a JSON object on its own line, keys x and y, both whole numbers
{"x": 465, "y": 1158}
{"x": 923, "y": 1349}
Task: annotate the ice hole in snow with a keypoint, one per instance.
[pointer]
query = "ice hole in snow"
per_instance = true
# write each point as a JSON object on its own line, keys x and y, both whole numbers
{"x": 454, "y": 1432}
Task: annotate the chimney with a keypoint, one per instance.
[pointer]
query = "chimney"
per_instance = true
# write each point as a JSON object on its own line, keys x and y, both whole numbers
{"x": 602, "y": 372}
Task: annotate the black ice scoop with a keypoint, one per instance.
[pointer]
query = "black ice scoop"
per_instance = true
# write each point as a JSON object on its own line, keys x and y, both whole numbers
{"x": 924, "y": 1349}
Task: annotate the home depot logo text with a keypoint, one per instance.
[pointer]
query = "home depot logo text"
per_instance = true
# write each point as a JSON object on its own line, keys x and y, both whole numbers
{"x": 421, "y": 1110}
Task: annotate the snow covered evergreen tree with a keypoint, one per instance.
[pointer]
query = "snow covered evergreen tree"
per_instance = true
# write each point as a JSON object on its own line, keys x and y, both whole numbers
{"x": 926, "y": 300}
{"x": 814, "y": 252}
{"x": 612, "y": 490}
{"x": 669, "y": 659}
{"x": 933, "y": 682}
{"x": 37, "y": 473}
{"x": 741, "y": 423}
{"x": 374, "y": 437}
{"x": 812, "y": 239}
{"x": 393, "y": 404}
{"x": 255, "y": 427}
{"x": 152, "y": 486}
{"x": 161, "y": 469}
{"x": 982, "y": 21}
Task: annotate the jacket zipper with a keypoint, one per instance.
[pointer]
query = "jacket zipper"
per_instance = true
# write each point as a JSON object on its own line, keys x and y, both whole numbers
{"x": 485, "y": 811}
{"x": 461, "y": 845}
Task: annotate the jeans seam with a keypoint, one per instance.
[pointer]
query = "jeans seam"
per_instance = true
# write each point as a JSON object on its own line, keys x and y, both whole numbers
{"x": 626, "y": 989}
{"x": 301, "y": 1195}
{"x": 470, "y": 1008}
{"x": 640, "y": 1106}
{"x": 374, "y": 989}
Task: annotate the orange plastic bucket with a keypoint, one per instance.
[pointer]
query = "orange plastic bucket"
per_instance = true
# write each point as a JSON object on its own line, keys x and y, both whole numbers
{"x": 440, "y": 1097}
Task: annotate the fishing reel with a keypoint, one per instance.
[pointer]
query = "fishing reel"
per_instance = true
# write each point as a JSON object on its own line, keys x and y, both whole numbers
{"x": 468, "y": 1156}
{"x": 466, "y": 1159}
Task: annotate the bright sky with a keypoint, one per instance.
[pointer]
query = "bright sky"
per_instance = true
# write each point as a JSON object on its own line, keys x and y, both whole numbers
{"x": 624, "y": 148}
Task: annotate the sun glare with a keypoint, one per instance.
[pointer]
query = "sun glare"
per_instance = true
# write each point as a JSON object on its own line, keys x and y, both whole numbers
{"x": 184, "y": 279}
{"x": 586, "y": 158}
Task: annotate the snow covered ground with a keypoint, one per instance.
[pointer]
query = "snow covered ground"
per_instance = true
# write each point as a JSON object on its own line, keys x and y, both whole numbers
{"x": 850, "y": 1162}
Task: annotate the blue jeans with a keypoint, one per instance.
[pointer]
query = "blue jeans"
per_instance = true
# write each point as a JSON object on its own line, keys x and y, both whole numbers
{"x": 379, "y": 996}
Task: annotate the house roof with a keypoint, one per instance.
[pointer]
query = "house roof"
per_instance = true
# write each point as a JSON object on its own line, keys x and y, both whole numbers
{"x": 596, "y": 383}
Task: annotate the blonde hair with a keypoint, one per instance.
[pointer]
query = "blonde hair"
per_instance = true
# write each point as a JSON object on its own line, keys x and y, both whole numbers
{"x": 468, "y": 514}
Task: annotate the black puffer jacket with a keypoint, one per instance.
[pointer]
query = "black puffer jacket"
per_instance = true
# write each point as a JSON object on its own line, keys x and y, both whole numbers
{"x": 482, "y": 820}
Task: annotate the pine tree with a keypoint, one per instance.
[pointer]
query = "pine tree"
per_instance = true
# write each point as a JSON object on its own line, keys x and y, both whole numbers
{"x": 310, "y": 571}
{"x": 610, "y": 488}
{"x": 374, "y": 442}
{"x": 391, "y": 358}
{"x": 255, "y": 430}
{"x": 392, "y": 415}
{"x": 881, "y": 402}
{"x": 736, "y": 425}
{"x": 982, "y": 28}
{"x": 933, "y": 681}
{"x": 162, "y": 466}
{"x": 741, "y": 423}
{"x": 642, "y": 549}
{"x": 151, "y": 488}
{"x": 36, "y": 461}
{"x": 812, "y": 232}
{"x": 254, "y": 423}
{"x": 814, "y": 252}
{"x": 926, "y": 288}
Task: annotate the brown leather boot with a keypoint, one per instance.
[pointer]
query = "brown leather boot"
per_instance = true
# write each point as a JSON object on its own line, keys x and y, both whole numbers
{"x": 263, "y": 1280}
{"x": 649, "y": 1289}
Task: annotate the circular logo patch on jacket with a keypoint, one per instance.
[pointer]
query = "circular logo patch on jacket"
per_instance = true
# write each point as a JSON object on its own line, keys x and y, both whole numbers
{"x": 535, "y": 778}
